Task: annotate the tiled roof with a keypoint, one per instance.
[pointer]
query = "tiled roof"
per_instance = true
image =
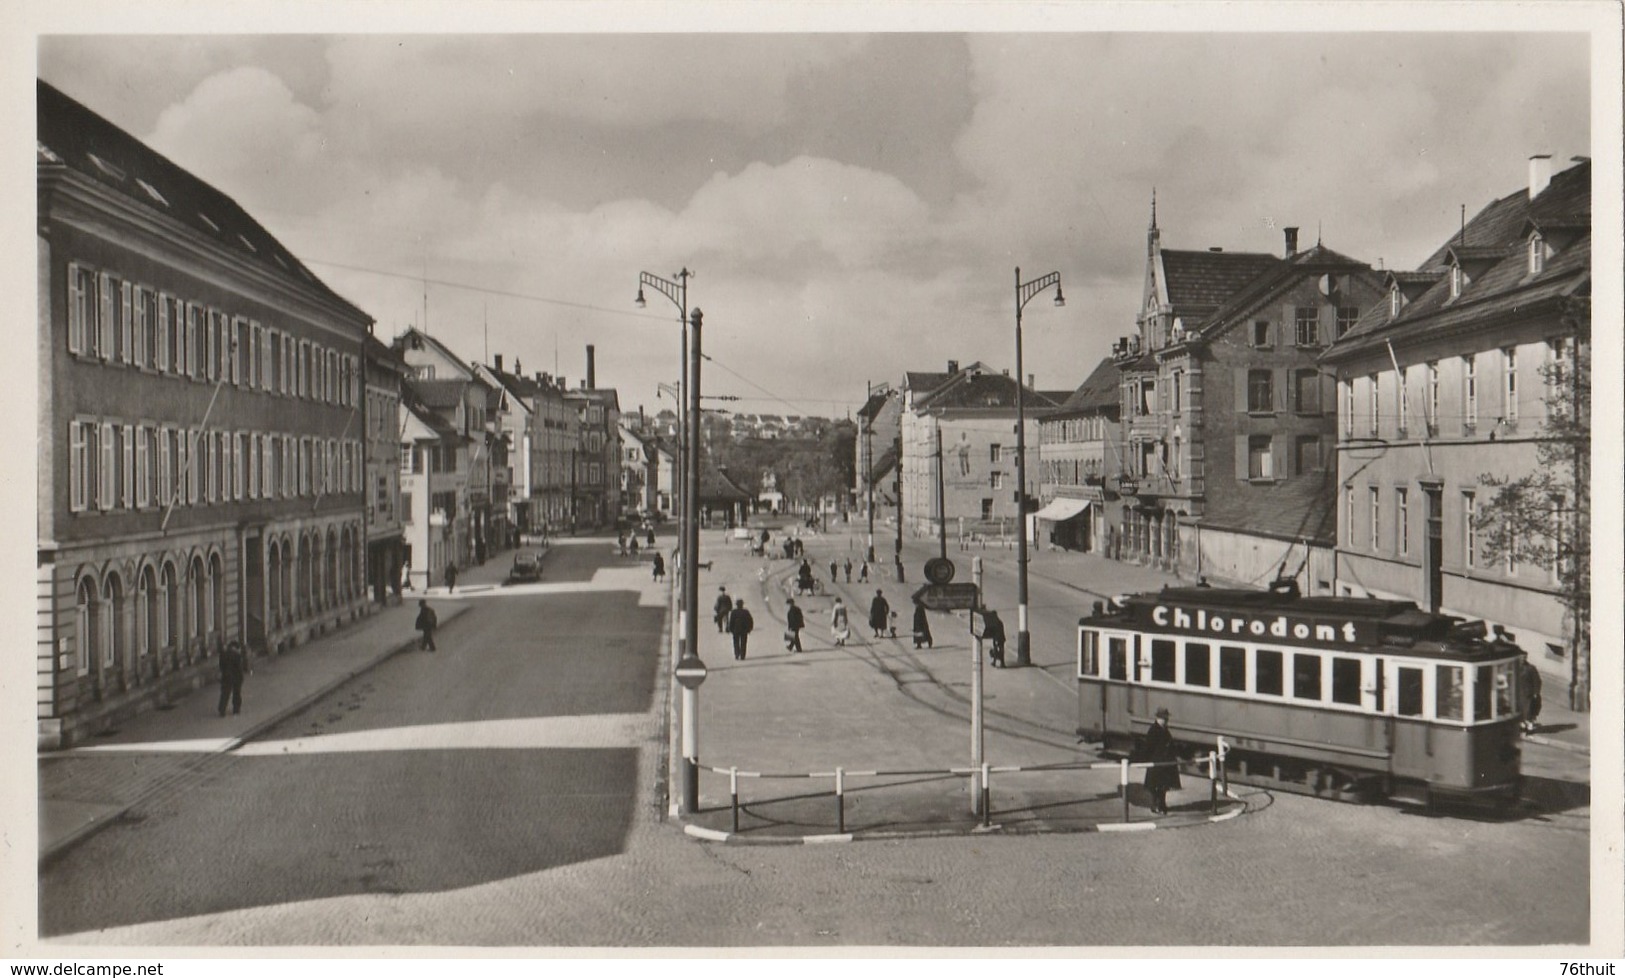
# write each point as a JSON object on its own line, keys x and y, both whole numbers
{"x": 1292, "y": 510}
{"x": 981, "y": 390}
{"x": 1283, "y": 273}
{"x": 1417, "y": 277}
{"x": 1098, "y": 390}
{"x": 72, "y": 136}
{"x": 716, "y": 486}
{"x": 1200, "y": 281}
{"x": 919, "y": 380}
{"x": 1505, "y": 286}
{"x": 439, "y": 394}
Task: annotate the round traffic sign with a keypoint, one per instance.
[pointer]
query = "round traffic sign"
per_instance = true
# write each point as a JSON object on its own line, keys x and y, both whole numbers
{"x": 939, "y": 570}
{"x": 690, "y": 672}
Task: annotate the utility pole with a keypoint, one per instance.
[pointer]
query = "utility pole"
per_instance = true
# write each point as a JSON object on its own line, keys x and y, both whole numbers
{"x": 942, "y": 509}
{"x": 897, "y": 551}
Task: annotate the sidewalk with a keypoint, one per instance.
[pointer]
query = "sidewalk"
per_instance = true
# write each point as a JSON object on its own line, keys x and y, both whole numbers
{"x": 86, "y": 788}
{"x": 879, "y": 706}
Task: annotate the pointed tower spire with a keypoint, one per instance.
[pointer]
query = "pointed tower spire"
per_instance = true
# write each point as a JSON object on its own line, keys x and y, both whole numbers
{"x": 1153, "y": 237}
{"x": 1153, "y": 208}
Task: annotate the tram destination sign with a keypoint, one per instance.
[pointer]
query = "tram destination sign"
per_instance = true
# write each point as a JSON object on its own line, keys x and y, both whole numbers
{"x": 1256, "y": 624}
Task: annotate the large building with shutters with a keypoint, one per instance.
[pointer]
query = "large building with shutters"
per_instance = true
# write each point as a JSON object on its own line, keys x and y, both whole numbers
{"x": 1228, "y": 421}
{"x": 201, "y": 460}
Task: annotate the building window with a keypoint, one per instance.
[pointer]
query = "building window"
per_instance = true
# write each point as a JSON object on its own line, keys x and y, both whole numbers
{"x": 1307, "y": 452}
{"x": 1469, "y": 534}
{"x": 1348, "y": 408}
{"x": 1306, "y": 391}
{"x": 996, "y": 480}
{"x": 1259, "y": 464}
{"x": 1537, "y": 254}
{"x": 1432, "y": 378}
{"x": 1469, "y": 390}
{"x": 1458, "y": 280}
{"x": 1347, "y": 316}
{"x": 1374, "y": 384}
{"x": 1395, "y": 301}
{"x": 987, "y": 509}
{"x": 1376, "y": 518}
{"x": 1306, "y": 326}
{"x": 1148, "y": 397}
{"x": 1177, "y": 395}
{"x": 81, "y": 452}
{"x": 1509, "y": 396}
{"x": 1404, "y": 402}
{"x": 1261, "y": 333}
{"x": 1260, "y": 391}
{"x": 1348, "y": 516}
{"x": 1402, "y": 520}
{"x": 993, "y": 453}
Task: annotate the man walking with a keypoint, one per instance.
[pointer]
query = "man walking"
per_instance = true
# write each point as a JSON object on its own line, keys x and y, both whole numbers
{"x": 740, "y": 624}
{"x": 720, "y": 610}
{"x": 233, "y": 664}
{"x": 451, "y": 578}
{"x": 426, "y": 623}
{"x": 879, "y": 615}
{"x": 794, "y": 622}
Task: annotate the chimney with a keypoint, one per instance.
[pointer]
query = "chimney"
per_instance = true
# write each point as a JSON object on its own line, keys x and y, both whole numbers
{"x": 953, "y": 366}
{"x": 499, "y": 363}
{"x": 518, "y": 371}
{"x": 1291, "y": 241}
{"x": 592, "y": 374}
{"x": 1032, "y": 382}
{"x": 1540, "y": 173}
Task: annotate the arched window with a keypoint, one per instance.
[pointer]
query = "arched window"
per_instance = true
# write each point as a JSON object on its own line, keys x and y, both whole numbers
{"x": 146, "y": 612}
{"x": 113, "y": 639}
{"x": 86, "y": 610}
{"x": 287, "y": 580}
{"x": 274, "y": 583}
{"x": 197, "y": 621}
{"x": 304, "y": 582}
{"x": 331, "y": 575}
{"x": 217, "y": 597}
{"x": 169, "y": 616}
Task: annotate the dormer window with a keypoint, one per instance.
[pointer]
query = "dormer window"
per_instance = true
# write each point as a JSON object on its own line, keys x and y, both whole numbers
{"x": 1537, "y": 253}
{"x": 1395, "y": 301}
{"x": 1458, "y": 279}
{"x": 151, "y": 191}
{"x": 106, "y": 167}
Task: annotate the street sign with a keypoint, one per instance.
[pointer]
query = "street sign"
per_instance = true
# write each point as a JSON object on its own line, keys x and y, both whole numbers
{"x": 939, "y": 570}
{"x": 978, "y": 624}
{"x": 948, "y": 597}
{"x": 690, "y": 672}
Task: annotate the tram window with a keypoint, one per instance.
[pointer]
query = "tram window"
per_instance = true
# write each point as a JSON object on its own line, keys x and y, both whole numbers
{"x": 1448, "y": 692}
{"x": 1090, "y": 666}
{"x": 1410, "y": 693}
{"x": 1346, "y": 681}
{"x": 1162, "y": 660}
{"x": 1305, "y": 676}
{"x": 1269, "y": 672}
{"x": 1117, "y": 657}
{"x": 1198, "y": 664}
{"x": 1232, "y": 667}
{"x": 1483, "y": 685}
{"x": 1504, "y": 690}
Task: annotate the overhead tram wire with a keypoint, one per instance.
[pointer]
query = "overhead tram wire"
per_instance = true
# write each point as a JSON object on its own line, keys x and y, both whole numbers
{"x": 489, "y": 291}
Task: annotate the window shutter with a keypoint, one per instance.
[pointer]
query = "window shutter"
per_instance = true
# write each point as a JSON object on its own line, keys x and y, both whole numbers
{"x": 125, "y": 322}
{"x": 1281, "y": 380}
{"x": 161, "y": 335}
{"x": 127, "y": 470}
{"x": 104, "y": 321}
{"x": 78, "y": 465}
{"x": 76, "y": 308}
{"x": 104, "y": 482}
{"x": 140, "y": 328}
{"x": 194, "y": 469}
{"x": 189, "y": 351}
{"x": 1241, "y": 458}
{"x": 143, "y": 468}
{"x": 1278, "y": 466}
{"x": 1240, "y": 374}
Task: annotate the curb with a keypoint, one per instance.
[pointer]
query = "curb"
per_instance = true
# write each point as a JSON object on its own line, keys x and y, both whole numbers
{"x": 117, "y": 811}
{"x": 1558, "y": 744}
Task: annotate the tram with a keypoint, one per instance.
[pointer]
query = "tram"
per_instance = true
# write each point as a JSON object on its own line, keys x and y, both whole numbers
{"x": 1353, "y": 698}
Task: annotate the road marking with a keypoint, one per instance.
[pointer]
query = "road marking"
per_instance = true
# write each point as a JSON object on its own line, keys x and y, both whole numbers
{"x": 523, "y": 733}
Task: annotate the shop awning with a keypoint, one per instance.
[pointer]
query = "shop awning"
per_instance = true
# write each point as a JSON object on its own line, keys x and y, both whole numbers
{"x": 1062, "y": 509}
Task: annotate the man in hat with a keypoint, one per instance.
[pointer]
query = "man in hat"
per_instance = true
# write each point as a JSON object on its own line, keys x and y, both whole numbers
{"x": 1158, "y": 749}
{"x": 720, "y": 610}
{"x": 233, "y": 665}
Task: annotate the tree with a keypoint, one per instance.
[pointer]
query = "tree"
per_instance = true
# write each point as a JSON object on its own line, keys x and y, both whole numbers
{"x": 1543, "y": 517}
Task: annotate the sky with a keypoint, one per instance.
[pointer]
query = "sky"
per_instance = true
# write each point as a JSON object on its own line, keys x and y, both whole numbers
{"x": 853, "y": 203}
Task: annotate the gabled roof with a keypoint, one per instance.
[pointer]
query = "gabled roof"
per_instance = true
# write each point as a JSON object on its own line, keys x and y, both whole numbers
{"x": 922, "y": 380}
{"x": 72, "y": 137}
{"x": 438, "y": 394}
{"x": 1098, "y": 391}
{"x": 1502, "y": 286}
{"x": 414, "y": 338}
{"x": 1198, "y": 282}
{"x": 972, "y": 390}
{"x": 425, "y": 414}
{"x": 1283, "y": 274}
{"x": 716, "y": 486}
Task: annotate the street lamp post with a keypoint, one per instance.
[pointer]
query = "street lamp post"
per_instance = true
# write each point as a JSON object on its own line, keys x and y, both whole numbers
{"x": 688, "y": 445}
{"x": 1024, "y": 292}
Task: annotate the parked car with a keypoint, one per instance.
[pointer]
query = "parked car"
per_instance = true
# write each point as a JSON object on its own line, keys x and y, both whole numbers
{"x": 527, "y": 566}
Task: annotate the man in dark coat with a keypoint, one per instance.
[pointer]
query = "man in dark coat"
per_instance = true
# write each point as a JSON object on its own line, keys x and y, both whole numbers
{"x": 451, "y": 578}
{"x": 879, "y": 613}
{"x": 740, "y": 624}
{"x": 720, "y": 610}
{"x": 1529, "y": 690}
{"x": 834, "y": 569}
{"x": 1158, "y": 749}
{"x": 794, "y": 622}
{"x": 233, "y": 664}
{"x": 993, "y": 632}
{"x": 922, "y": 627}
{"x": 804, "y": 579}
{"x": 426, "y": 623}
